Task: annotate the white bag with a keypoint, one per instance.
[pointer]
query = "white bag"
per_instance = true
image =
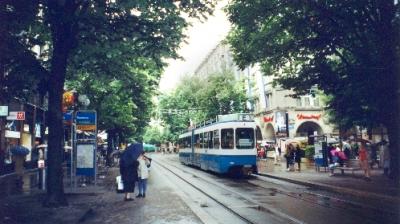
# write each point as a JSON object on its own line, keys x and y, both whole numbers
{"x": 119, "y": 184}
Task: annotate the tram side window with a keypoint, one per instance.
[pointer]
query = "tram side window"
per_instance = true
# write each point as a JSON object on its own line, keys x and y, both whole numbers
{"x": 197, "y": 141}
{"x": 227, "y": 138}
{"x": 216, "y": 139}
{"x": 181, "y": 143}
{"x": 244, "y": 138}
{"x": 205, "y": 140}
{"x": 201, "y": 140}
{"x": 188, "y": 142}
{"x": 210, "y": 140}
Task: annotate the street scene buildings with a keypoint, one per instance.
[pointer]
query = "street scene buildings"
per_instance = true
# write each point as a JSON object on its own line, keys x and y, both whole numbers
{"x": 288, "y": 115}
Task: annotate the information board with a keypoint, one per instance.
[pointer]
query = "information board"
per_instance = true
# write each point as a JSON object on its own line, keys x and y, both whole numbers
{"x": 85, "y": 159}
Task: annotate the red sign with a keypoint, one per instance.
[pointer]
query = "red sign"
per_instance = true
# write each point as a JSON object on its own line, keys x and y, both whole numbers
{"x": 311, "y": 116}
{"x": 21, "y": 115}
{"x": 268, "y": 119}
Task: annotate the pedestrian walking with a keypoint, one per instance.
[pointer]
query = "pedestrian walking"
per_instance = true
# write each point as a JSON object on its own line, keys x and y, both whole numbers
{"x": 333, "y": 160}
{"x": 363, "y": 156}
{"x": 143, "y": 175}
{"x": 277, "y": 157}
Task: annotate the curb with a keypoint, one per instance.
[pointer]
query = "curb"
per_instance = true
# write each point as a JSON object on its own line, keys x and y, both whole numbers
{"x": 336, "y": 189}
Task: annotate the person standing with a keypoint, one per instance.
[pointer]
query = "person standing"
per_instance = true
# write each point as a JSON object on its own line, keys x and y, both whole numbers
{"x": 297, "y": 156}
{"x": 129, "y": 175}
{"x": 363, "y": 156}
{"x": 289, "y": 157}
{"x": 277, "y": 157}
{"x": 143, "y": 175}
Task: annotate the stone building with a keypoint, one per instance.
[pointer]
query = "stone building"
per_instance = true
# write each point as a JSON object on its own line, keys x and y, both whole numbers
{"x": 277, "y": 114}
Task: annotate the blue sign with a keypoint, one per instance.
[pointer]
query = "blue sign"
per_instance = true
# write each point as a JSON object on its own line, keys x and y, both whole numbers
{"x": 67, "y": 116}
{"x": 85, "y": 117}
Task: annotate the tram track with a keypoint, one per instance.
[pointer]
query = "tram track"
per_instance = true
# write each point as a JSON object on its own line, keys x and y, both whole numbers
{"x": 324, "y": 201}
{"x": 231, "y": 209}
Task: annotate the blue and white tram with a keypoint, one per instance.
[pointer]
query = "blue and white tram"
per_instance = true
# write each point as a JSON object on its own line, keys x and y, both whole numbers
{"x": 226, "y": 146}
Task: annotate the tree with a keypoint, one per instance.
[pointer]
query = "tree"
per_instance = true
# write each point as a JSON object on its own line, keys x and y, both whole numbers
{"x": 151, "y": 29}
{"x": 349, "y": 49}
{"x": 21, "y": 74}
{"x": 198, "y": 99}
{"x": 153, "y": 135}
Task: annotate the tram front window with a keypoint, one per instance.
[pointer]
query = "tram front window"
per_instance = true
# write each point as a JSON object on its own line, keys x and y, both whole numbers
{"x": 244, "y": 138}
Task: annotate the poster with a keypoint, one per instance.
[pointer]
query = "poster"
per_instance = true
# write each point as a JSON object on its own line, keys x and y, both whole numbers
{"x": 85, "y": 156}
{"x": 280, "y": 122}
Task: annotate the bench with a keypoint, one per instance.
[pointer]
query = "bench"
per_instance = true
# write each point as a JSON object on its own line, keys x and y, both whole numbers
{"x": 350, "y": 165}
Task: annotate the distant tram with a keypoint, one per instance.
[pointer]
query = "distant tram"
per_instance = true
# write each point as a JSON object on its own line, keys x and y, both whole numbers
{"x": 227, "y": 145}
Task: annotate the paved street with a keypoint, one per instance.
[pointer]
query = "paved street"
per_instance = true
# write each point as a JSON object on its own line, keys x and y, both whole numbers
{"x": 171, "y": 200}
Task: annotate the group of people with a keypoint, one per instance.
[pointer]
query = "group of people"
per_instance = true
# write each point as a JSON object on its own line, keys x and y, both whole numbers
{"x": 293, "y": 155}
{"x": 367, "y": 156}
{"x": 132, "y": 172}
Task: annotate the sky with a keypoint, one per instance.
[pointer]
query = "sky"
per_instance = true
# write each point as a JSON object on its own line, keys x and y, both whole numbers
{"x": 202, "y": 38}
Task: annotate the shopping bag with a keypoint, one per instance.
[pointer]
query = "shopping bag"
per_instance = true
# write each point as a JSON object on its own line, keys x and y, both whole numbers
{"x": 119, "y": 184}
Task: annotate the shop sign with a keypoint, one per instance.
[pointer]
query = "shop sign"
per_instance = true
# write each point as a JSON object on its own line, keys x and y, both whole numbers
{"x": 67, "y": 117}
{"x": 16, "y": 115}
{"x": 89, "y": 127}
{"x": 268, "y": 119}
{"x": 311, "y": 116}
{"x": 3, "y": 111}
{"x": 12, "y": 134}
{"x": 41, "y": 163}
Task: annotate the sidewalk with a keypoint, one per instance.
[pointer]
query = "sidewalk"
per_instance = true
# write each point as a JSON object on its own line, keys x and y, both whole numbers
{"x": 99, "y": 204}
{"x": 380, "y": 188}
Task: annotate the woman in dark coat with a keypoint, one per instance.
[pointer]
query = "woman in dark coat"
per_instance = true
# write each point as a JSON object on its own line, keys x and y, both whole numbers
{"x": 129, "y": 176}
{"x": 297, "y": 155}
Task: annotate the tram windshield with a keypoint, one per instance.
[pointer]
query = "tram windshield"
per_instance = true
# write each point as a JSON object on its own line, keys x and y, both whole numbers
{"x": 244, "y": 138}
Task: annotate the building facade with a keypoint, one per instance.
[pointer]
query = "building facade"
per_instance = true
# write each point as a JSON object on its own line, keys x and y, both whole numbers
{"x": 277, "y": 114}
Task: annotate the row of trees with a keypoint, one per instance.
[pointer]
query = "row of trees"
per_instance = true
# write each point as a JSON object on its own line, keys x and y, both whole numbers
{"x": 197, "y": 99}
{"x": 349, "y": 49}
{"x": 111, "y": 50}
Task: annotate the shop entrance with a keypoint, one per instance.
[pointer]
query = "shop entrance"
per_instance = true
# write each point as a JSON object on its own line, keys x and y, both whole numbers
{"x": 307, "y": 129}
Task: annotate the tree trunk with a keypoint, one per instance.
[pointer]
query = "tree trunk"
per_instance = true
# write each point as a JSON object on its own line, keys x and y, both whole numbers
{"x": 55, "y": 188}
{"x": 110, "y": 146}
{"x": 2, "y": 144}
{"x": 391, "y": 62}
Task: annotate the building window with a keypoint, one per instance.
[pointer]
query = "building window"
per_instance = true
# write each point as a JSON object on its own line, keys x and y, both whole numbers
{"x": 307, "y": 101}
{"x": 316, "y": 102}
{"x": 298, "y": 102}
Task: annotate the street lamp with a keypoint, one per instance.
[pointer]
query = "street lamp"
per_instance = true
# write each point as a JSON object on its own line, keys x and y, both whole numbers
{"x": 84, "y": 100}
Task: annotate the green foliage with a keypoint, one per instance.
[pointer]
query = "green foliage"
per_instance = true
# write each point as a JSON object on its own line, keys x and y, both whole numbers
{"x": 153, "y": 135}
{"x": 349, "y": 49}
{"x": 21, "y": 73}
{"x": 309, "y": 151}
{"x": 197, "y": 99}
{"x": 92, "y": 44}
